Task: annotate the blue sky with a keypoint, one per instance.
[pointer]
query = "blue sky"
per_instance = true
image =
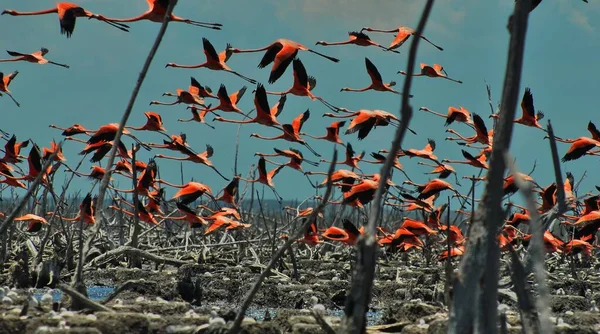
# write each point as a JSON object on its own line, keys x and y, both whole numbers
{"x": 562, "y": 47}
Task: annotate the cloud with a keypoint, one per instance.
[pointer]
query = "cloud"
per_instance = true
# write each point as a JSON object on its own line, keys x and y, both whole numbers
{"x": 383, "y": 14}
{"x": 575, "y": 14}
{"x": 581, "y": 20}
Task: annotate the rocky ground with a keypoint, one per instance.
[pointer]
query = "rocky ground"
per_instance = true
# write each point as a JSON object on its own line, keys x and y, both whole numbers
{"x": 202, "y": 298}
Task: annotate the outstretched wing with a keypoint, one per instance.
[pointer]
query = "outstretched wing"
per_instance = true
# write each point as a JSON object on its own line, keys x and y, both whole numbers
{"x": 300, "y": 76}
{"x": 373, "y": 72}
{"x": 209, "y": 50}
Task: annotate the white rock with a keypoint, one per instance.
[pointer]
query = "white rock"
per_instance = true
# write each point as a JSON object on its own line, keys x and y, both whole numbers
{"x": 216, "y": 321}
{"x": 161, "y": 300}
{"x": 569, "y": 313}
{"x": 2, "y": 292}
{"x": 7, "y": 301}
{"x": 46, "y": 299}
{"x": 248, "y": 320}
{"x": 319, "y": 307}
{"x": 309, "y": 291}
{"x": 12, "y": 294}
{"x": 91, "y": 317}
{"x": 503, "y": 308}
{"x": 314, "y": 300}
{"x": 140, "y": 299}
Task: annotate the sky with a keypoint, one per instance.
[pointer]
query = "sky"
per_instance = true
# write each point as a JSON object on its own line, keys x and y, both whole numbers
{"x": 560, "y": 56}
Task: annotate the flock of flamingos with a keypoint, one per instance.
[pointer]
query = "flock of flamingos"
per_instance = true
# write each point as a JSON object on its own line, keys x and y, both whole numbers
{"x": 357, "y": 188}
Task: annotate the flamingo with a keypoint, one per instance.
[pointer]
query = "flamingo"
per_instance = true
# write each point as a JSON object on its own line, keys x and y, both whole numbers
{"x": 67, "y": 15}
{"x": 351, "y": 160}
{"x": 459, "y": 114}
{"x": 437, "y": 71}
{"x": 303, "y": 85}
{"x": 228, "y": 103}
{"x": 264, "y": 114}
{"x": 432, "y": 188}
{"x": 364, "y": 121}
{"x": 402, "y": 35}
{"x": 156, "y": 13}
{"x": 482, "y": 135}
{"x": 197, "y": 116}
{"x": 214, "y": 61}
{"x": 153, "y": 123}
{"x": 230, "y": 191}
{"x": 376, "y": 81}
{"x": 265, "y": 177}
{"x": 333, "y": 133}
{"x": 201, "y": 158}
{"x": 74, "y": 129}
{"x": 291, "y": 132}
{"x": 444, "y": 170}
{"x": 281, "y": 53}
{"x": 36, "y": 58}
{"x": 108, "y": 132}
{"x": 194, "y": 95}
{"x": 579, "y": 147}
{"x": 425, "y": 153}
{"x": 380, "y": 159}
{"x": 6, "y": 80}
{"x": 357, "y": 38}
{"x": 346, "y": 177}
{"x": 188, "y": 192}
{"x": 479, "y": 162}
{"x": 296, "y": 158}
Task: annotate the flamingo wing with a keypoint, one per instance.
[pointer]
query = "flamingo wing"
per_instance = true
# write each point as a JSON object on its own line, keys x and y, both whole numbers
{"x": 480, "y": 126}
{"x": 300, "y": 76}
{"x": 209, "y": 50}
{"x": 223, "y": 96}
{"x": 373, "y": 72}
{"x": 527, "y": 104}
{"x": 299, "y": 121}
{"x": 270, "y": 55}
{"x": 237, "y": 96}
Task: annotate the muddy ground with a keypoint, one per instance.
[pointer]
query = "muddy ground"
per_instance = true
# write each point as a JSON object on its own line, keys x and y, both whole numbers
{"x": 408, "y": 297}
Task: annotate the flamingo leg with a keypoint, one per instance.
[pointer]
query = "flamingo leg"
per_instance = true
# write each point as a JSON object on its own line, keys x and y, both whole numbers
{"x": 252, "y": 81}
{"x": 335, "y": 60}
{"x": 58, "y": 64}
{"x": 216, "y": 170}
{"x": 12, "y": 98}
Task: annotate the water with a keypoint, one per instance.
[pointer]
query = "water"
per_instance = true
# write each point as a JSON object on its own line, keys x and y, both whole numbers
{"x": 95, "y": 292}
{"x": 101, "y": 292}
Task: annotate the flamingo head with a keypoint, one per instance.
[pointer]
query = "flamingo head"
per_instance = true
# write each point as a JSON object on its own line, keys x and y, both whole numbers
{"x": 9, "y": 12}
{"x": 321, "y": 43}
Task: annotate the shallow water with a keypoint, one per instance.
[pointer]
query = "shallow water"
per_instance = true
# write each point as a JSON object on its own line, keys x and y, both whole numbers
{"x": 101, "y": 292}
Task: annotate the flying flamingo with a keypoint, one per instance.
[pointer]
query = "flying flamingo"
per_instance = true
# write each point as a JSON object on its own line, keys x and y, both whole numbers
{"x": 437, "y": 71}
{"x": 189, "y": 192}
{"x": 264, "y": 114}
{"x": 6, "y": 80}
{"x": 197, "y": 116}
{"x": 351, "y": 160}
{"x": 228, "y": 103}
{"x": 402, "y": 35}
{"x": 333, "y": 133}
{"x": 156, "y": 13}
{"x": 47, "y": 152}
{"x": 425, "y": 153}
{"x": 579, "y": 147}
{"x": 529, "y": 116}
{"x": 153, "y": 123}
{"x": 214, "y": 61}
{"x": 12, "y": 150}
{"x": 479, "y": 162}
{"x": 36, "y": 58}
{"x": 182, "y": 96}
{"x": 346, "y": 177}
{"x": 74, "y": 129}
{"x": 380, "y": 160}
{"x": 175, "y": 144}
{"x": 281, "y": 53}
{"x": 482, "y": 135}
{"x": 296, "y": 158}
{"x": 444, "y": 170}
{"x": 376, "y": 81}
{"x": 67, "y": 15}
{"x": 108, "y": 132}
{"x": 291, "y": 132}
{"x": 230, "y": 191}
{"x": 201, "y": 158}
{"x": 364, "y": 121}
{"x": 432, "y": 187}
{"x": 303, "y": 85}
{"x": 459, "y": 114}
{"x": 357, "y": 38}
{"x": 265, "y": 177}
{"x": 194, "y": 95}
